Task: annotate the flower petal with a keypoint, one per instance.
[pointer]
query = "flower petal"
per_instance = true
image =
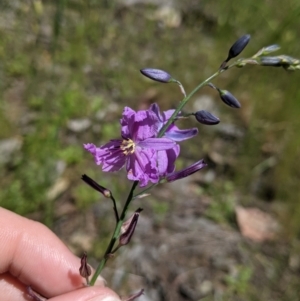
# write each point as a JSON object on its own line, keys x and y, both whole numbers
{"x": 110, "y": 155}
{"x": 157, "y": 143}
{"x": 180, "y": 135}
{"x": 141, "y": 166}
{"x": 166, "y": 160}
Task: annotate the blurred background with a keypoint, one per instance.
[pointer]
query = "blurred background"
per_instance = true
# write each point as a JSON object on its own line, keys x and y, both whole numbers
{"x": 67, "y": 69}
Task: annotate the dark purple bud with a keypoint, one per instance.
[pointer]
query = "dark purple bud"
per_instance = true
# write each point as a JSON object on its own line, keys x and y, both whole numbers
{"x": 229, "y": 99}
{"x": 157, "y": 75}
{"x": 128, "y": 228}
{"x": 84, "y": 270}
{"x": 238, "y": 46}
{"x": 207, "y": 118}
{"x": 186, "y": 171}
{"x": 96, "y": 186}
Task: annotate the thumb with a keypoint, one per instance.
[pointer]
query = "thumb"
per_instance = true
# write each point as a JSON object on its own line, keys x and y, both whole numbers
{"x": 93, "y": 293}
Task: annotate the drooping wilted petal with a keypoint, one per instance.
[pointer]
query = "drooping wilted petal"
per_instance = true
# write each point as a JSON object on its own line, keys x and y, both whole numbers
{"x": 128, "y": 228}
{"x": 157, "y": 75}
{"x": 186, "y": 171}
{"x": 84, "y": 270}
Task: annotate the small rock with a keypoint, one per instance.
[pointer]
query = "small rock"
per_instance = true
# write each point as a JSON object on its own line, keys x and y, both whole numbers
{"x": 8, "y": 147}
{"x": 255, "y": 224}
{"x": 206, "y": 287}
{"x": 110, "y": 108}
{"x": 207, "y": 103}
{"x": 79, "y": 125}
{"x": 294, "y": 262}
{"x": 168, "y": 16}
{"x": 82, "y": 240}
{"x": 230, "y": 130}
{"x": 58, "y": 188}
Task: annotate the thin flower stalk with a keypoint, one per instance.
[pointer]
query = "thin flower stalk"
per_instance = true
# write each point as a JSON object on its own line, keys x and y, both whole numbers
{"x": 164, "y": 128}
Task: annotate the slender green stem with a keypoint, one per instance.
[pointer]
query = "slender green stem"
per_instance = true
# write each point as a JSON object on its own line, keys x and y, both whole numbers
{"x": 145, "y": 190}
{"x": 187, "y": 98}
{"x": 114, "y": 236}
{"x": 115, "y": 208}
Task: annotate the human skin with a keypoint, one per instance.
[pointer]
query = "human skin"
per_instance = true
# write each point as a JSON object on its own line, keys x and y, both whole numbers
{"x": 30, "y": 254}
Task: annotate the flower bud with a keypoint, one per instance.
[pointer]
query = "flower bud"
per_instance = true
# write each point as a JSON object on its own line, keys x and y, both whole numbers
{"x": 273, "y": 61}
{"x": 186, "y": 171}
{"x": 229, "y": 99}
{"x": 288, "y": 60}
{"x": 238, "y": 46}
{"x": 128, "y": 228}
{"x": 207, "y": 118}
{"x": 266, "y": 50}
{"x": 157, "y": 75}
{"x": 270, "y": 49}
{"x": 96, "y": 186}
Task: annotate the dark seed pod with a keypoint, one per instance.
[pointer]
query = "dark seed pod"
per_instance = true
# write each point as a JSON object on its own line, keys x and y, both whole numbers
{"x": 207, "y": 118}
{"x": 238, "y": 47}
{"x": 157, "y": 75}
{"x": 229, "y": 99}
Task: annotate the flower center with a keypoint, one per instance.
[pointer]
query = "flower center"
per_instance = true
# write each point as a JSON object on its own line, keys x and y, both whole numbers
{"x": 128, "y": 147}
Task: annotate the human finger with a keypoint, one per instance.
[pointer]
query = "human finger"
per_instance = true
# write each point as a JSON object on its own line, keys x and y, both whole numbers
{"x": 36, "y": 256}
{"x": 89, "y": 294}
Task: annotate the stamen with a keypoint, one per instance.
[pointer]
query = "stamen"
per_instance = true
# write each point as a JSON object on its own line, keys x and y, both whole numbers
{"x": 128, "y": 147}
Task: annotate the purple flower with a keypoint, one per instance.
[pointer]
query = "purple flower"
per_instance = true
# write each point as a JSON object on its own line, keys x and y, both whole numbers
{"x": 186, "y": 171}
{"x": 173, "y": 132}
{"x": 139, "y": 149}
